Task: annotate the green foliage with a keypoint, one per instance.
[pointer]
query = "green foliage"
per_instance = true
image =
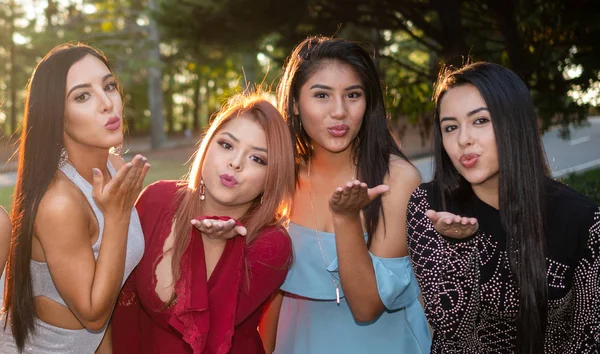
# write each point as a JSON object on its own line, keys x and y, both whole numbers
{"x": 587, "y": 183}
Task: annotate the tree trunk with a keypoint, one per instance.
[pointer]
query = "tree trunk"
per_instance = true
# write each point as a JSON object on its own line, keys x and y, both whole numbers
{"x": 13, "y": 70}
{"x": 196, "y": 105}
{"x": 155, "y": 94}
{"x": 169, "y": 105}
{"x": 250, "y": 66}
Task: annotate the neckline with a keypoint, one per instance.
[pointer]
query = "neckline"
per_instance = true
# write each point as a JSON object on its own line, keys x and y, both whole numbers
{"x": 312, "y": 230}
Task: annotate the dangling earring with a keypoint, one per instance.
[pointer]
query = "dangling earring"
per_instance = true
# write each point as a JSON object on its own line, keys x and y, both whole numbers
{"x": 202, "y": 196}
{"x": 64, "y": 157}
{"x": 117, "y": 150}
{"x": 262, "y": 197}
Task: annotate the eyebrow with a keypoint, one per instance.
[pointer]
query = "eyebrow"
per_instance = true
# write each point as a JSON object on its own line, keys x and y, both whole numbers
{"x": 475, "y": 111}
{"x": 107, "y": 76}
{"x": 325, "y": 87}
{"x": 238, "y": 140}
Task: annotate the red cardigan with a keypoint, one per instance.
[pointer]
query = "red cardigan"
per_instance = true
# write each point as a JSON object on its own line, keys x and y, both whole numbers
{"x": 217, "y": 316}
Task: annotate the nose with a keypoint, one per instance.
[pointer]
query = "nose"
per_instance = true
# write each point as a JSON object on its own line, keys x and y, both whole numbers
{"x": 106, "y": 103}
{"x": 339, "y": 109}
{"x": 236, "y": 162}
{"x": 465, "y": 136}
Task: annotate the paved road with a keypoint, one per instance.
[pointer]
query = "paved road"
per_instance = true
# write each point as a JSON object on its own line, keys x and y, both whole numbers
{"x": 579, "y": 153}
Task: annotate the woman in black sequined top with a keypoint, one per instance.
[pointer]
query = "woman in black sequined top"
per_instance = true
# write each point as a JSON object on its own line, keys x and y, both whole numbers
{"x": 528, "y": 280}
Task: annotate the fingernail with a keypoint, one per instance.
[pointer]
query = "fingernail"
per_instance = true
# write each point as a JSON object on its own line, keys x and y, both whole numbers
{"x": 95, "y": 171}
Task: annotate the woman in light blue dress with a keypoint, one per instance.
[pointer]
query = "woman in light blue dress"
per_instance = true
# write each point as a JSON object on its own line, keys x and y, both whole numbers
{"x": 351, "y": 288}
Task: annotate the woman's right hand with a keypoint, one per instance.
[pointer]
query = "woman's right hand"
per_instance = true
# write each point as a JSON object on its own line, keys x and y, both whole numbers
{"x": 118, "y": 196}
{"x": 219, "y": 229}
{"x": 451, "y": 225}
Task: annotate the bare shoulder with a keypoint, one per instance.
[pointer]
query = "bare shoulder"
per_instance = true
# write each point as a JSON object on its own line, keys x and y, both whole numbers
{"x": 62, "y": 204}
{"x": 5, "y": 226}
{"x": 403, "y": 175}
{"x": 116, "y": 160}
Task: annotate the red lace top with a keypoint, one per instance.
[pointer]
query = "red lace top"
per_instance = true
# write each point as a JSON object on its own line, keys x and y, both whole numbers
{"x": 217, "y": 316}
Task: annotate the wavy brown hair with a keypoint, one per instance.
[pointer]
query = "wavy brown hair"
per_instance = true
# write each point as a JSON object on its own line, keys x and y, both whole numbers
{"x": 270, "y": 208}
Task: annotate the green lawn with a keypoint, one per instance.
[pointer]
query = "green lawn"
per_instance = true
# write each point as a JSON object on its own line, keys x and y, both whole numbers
{"x": 587, "y": 183}
{"x": 161, "y": 169}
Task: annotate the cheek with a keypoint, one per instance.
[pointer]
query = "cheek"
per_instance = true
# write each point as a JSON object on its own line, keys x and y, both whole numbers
{"x": 448, "y": 145}
{"x": 118, "y": 103}
{"x": 257, "y": 179}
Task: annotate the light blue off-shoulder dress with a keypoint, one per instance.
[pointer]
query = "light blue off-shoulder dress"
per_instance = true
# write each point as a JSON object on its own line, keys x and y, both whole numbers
{"x": 311, "y": 322}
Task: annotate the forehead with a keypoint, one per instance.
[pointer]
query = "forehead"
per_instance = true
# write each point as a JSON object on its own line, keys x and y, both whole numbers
{"x": 334, "y": 73}
{"x": 246, "y": 130}
{"x": 88, "y": 69}
{"x": 460, "y": 100}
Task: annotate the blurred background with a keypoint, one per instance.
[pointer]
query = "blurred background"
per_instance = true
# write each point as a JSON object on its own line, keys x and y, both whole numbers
{"x": 178, "y": 60}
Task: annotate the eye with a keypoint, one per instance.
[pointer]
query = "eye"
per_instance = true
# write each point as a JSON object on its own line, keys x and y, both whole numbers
{"x": 225, "y": 145}
{"x": 321, "y": 95}
{"x": 481, "y": 120}
{"x": 449, "y": 128}
{"x": 111, "y": 87}
{"x": 355, "y": 95}
{"x": 82, "y": 97}
{"x": 258, "y": 160}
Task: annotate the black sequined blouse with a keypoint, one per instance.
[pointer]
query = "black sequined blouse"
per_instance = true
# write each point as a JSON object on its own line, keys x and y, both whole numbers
{"x": 470, "y": 295}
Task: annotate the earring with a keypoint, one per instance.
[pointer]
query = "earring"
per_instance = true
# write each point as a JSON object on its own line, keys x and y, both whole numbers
{"x": 202, "y": 196}
{"x": 117, "y": 150}
{"x": 64, "y": 157}
{"x": 261, "y": 198}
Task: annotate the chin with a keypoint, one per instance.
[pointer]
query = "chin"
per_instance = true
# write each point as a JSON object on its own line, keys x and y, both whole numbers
{"x": 477, "y": 178}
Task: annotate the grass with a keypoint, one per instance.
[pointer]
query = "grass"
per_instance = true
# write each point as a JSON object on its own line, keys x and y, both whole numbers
{"x": 587, "y": 183}
{"x": 160, "y": 170}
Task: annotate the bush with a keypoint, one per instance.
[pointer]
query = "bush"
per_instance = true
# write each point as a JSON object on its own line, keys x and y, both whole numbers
{"x": 587, "y": 183}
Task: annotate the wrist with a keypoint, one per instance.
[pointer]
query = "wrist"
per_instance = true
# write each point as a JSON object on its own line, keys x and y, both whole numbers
{"x": 117, "y": 217}
{"x": 344, "y": 218}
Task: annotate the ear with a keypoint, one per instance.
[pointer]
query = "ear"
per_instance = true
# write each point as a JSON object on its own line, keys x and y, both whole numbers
{"x": 295, "y": 108}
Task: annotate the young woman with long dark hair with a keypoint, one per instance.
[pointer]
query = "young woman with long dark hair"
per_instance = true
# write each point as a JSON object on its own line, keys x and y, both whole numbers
{"x": 351, "y": 288}
{"x": 76, "y": 236}
{"x": 527, "y": 281}
{"x": 195, "y": 290}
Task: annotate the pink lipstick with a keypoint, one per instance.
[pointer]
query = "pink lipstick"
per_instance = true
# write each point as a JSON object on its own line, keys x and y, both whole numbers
{"x": 469, "y": 160}
{"x": 113, "y": 123}
{"x": 228, "y": 180}
{"x": 338, "y": 130}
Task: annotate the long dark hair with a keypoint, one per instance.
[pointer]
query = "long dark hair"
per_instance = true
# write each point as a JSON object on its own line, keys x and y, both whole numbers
{"x": 40, "y": 147}
{"x": 374, "y": 143}
{"x": 522, "y": 173}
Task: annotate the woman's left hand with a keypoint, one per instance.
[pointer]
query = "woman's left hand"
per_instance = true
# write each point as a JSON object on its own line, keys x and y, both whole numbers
{"x": 219, "y": 229}
{"x": 353, "y": 196}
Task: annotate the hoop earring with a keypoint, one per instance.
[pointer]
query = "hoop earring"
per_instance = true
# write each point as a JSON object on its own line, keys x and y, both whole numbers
{"x": 64, "y": 157}
{"x": 202, "y": 196}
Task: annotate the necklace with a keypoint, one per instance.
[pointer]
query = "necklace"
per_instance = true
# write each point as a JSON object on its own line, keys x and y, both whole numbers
{"x": 336, "y": 282}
